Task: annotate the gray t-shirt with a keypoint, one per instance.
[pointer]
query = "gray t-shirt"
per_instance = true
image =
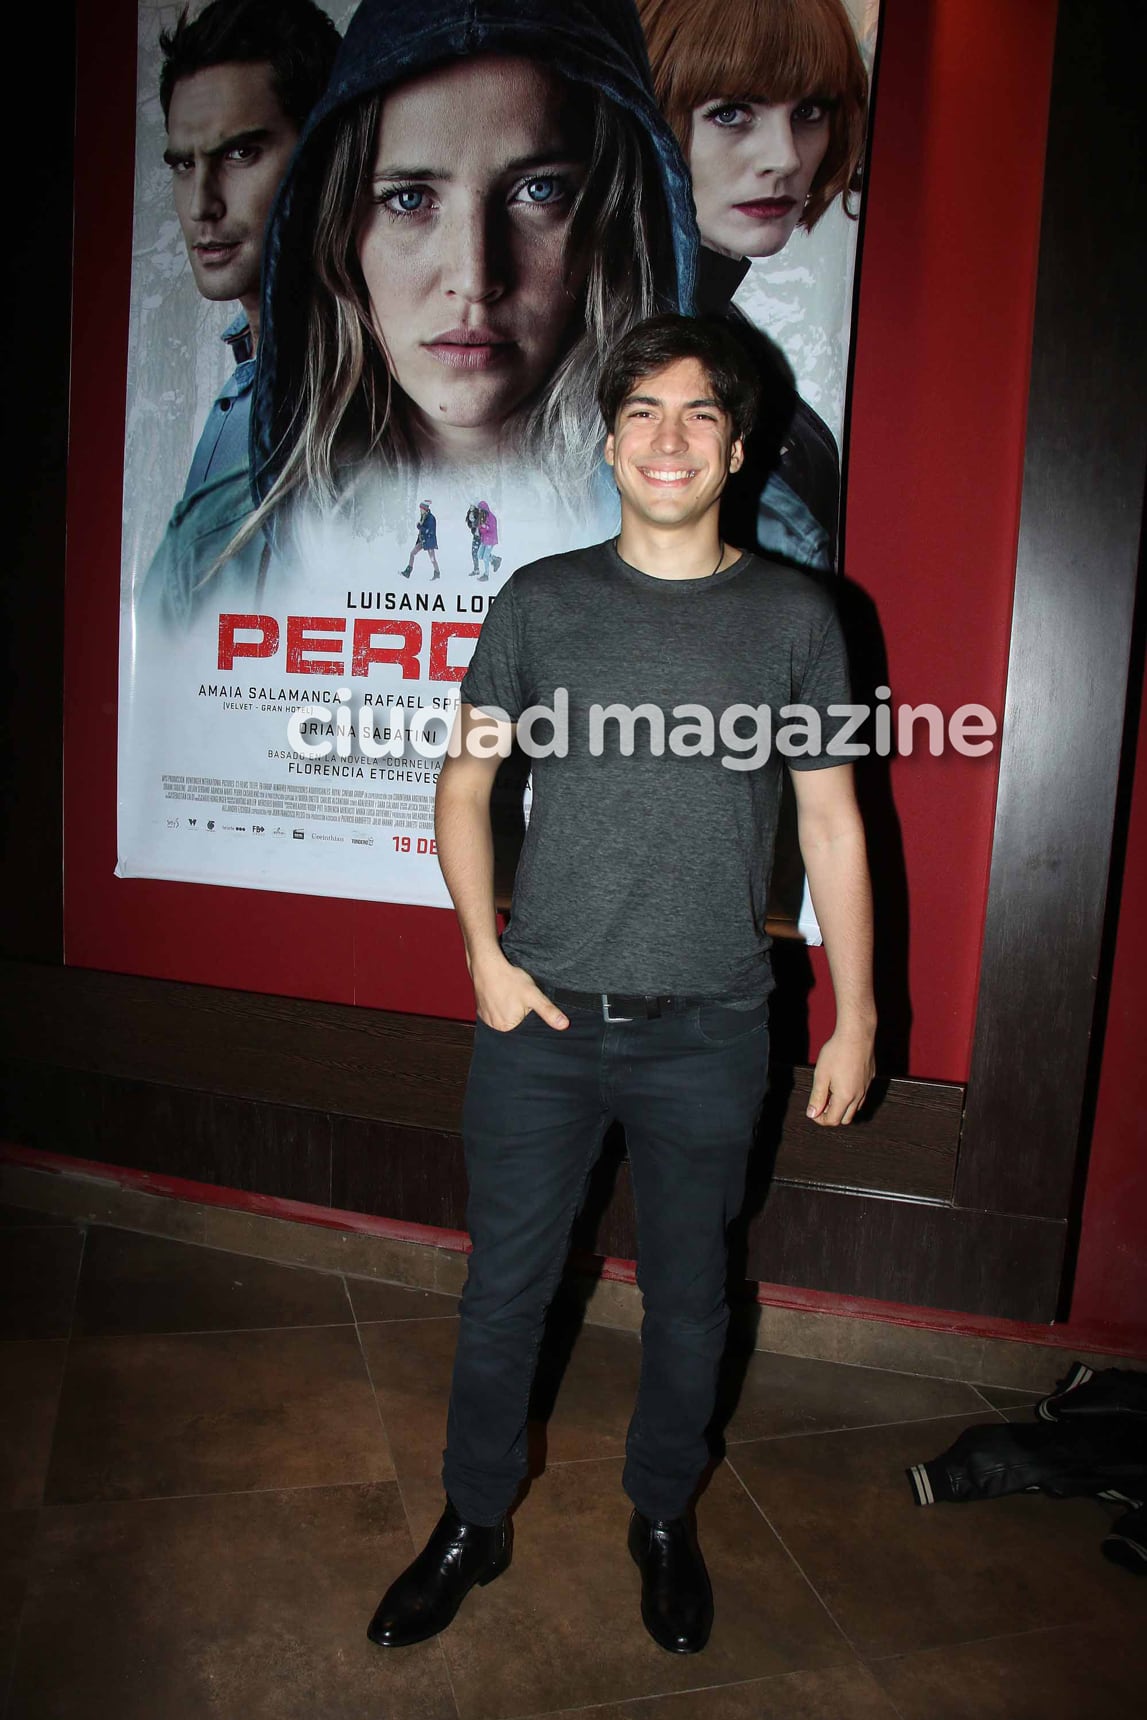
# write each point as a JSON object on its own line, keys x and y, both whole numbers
{"x": 649, "y": 873}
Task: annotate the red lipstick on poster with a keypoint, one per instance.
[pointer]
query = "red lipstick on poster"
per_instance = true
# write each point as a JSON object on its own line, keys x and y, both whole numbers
{"x": 767, "y": 208}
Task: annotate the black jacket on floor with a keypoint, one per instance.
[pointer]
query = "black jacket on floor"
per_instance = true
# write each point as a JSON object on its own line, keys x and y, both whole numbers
{"x": 1099, "y": 1455}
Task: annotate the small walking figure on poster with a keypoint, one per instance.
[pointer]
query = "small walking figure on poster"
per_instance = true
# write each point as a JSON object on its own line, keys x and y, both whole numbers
{"x": 473, "y": 521}
{"x": 426, "y": 539}
{"x": 487, "y": 536}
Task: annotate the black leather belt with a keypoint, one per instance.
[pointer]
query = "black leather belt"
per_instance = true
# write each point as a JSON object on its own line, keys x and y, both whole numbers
{"x": 616, "y": 1005}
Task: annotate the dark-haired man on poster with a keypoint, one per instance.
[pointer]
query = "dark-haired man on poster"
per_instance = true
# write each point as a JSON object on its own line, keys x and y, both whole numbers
{"x": 236, "y": 85}
{"x": 632, "y": 982}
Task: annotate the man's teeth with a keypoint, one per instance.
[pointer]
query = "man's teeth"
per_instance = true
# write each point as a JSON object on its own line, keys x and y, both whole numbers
{"x": 670, "y": 477}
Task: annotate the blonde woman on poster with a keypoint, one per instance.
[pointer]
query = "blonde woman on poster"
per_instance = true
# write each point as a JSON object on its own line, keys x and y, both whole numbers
{"x": 768, "y": 99}
{"x": 481, "y": 205}
{"x": 484, "y": 199}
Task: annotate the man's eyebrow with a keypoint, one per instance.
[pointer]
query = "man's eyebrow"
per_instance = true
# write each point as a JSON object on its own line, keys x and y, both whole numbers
{"x": 655, "y": 400}
{"x": 240, "y": 140}
{"x": 522, "y": 164}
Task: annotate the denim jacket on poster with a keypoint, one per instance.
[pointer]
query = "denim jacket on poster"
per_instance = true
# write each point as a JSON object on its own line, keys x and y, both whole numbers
{"x": 594, "y": 42}
{"x": 216, "y": 500}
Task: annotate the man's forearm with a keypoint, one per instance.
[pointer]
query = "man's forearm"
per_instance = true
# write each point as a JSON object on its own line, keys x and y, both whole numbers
{"x": 466, "y": 855}
{"x": 836, "y": 864}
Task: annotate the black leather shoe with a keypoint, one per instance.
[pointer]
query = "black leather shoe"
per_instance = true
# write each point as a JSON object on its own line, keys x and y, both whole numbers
{"x": 676, "y": 1597}
{"x": 424, "y": 1599}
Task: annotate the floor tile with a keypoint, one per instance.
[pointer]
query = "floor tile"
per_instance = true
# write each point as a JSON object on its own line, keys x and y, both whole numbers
{"x": 562, "y": 1627}
{"x": 839, "y": 1693}
{"x": 791, "y": 1394}
{"x": 897, "y": 1576}
{"x": 17, "y": 1531}
{"x": 25, "y": 1215}
{"x": 207, "y": 1413}
{"x": 30, "y": 1376}
{"x": 374, "y": 1300}
{"x": 135, "y": 1283}
{"x": 1070, "y": 1673}
{"x": 85, "y": 1200}
{"x": 1005, "y": 1397}
{"x": 38, "y": 1271}
{"x": 317, "y": 1246}
{"x": 410, "y": 1366}
{"x": 252, "y": 1605}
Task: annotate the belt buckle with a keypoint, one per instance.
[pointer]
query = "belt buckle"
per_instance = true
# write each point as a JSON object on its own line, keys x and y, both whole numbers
{"x": 606, "y": 1016}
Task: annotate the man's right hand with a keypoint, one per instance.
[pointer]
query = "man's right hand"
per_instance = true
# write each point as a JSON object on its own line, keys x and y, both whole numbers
{"x": 505, "y": 995}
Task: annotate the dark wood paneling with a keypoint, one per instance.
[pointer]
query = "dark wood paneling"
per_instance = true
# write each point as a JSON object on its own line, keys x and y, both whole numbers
{"x": 36, "y": 332}
{"x": 1075, "y": 585}
{"x": 907, "y": 1251}
{"x": 278, "y": 1150}
{"x": 394, "y": 1172}
{"x": 892, "y": 1250}
{"x": 53, "y": 1110}
{"x": 905, "y": 1144}
{"x": 361, "y": 1062}
{"x": 403, "y": 1069}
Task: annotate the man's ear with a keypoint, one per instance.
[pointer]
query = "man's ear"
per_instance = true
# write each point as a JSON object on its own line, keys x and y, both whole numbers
{"x": 736, "y": 455}
{"x": 607, "y": 451}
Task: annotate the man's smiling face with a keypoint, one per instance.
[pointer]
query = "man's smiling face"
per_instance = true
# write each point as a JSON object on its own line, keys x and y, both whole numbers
{"x": 672, "y": 446}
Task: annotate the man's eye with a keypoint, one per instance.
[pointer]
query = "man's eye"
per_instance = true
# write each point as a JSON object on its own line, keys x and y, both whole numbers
{"x": 243, "y": 153}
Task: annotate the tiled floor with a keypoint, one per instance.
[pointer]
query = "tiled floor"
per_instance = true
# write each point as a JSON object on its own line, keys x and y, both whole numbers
{"x": 211, "y": 1466}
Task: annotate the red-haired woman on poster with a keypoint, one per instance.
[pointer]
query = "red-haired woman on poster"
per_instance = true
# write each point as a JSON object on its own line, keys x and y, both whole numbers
{"x": 768, "y": 99}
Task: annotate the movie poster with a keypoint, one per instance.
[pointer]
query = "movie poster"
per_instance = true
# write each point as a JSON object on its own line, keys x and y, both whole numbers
{"x": 368, "y": 303}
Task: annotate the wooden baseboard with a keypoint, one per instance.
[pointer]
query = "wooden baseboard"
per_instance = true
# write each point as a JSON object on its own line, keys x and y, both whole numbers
{"x": 407, "y": 1070}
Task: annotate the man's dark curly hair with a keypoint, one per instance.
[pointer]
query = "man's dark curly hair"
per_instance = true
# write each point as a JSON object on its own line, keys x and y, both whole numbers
{"x": 294, "y": 37}
{"x": 662, "y": 340}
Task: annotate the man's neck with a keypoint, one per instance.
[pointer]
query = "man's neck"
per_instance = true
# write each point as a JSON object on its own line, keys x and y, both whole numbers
{"x": 250, "y": 307}
{"x": 689, "y": 551}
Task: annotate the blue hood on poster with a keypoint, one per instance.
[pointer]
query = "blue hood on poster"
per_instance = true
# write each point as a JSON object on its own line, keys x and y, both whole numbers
{"x": 595, "y": 42}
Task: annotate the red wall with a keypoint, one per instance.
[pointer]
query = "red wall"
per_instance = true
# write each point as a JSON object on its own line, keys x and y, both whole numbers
{"x": 933, "y": 498}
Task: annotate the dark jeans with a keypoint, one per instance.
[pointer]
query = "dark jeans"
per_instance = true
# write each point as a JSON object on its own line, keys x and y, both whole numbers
{"x": 688, "y": 1088}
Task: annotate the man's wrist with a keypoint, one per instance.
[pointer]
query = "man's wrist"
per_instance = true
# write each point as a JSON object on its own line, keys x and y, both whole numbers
{"x": 485, "y": 957}
{"x": 857, "y": 1024}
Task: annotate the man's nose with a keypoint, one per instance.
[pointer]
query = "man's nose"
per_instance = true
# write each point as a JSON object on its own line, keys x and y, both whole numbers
{"x": 207, "y": 203}
{"x": 475, "y": 254}
{"x": 774, "y": 146}
{"x": 669, "y": 437}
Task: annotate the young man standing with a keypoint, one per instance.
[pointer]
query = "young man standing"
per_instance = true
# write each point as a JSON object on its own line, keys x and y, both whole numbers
{"x": 633, "y": 979}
